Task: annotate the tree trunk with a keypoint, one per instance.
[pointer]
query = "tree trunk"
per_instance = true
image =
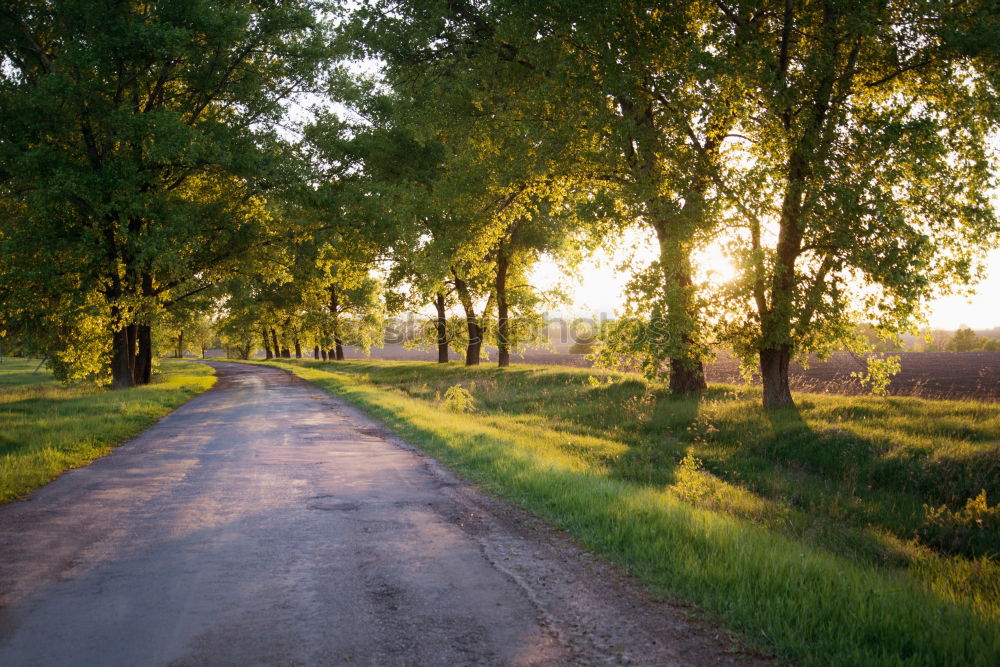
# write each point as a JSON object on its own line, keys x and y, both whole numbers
{"x": 132, "y": 338}
{"x": 687, "y": 372}
{"x": 774, "y": 373}
{"x": 475, "y": 344}
{"x": 316, "y": 352}
{"x": 684, "y": 379}
{"x": 475, "y": 347}
{"x": 326, "y": 355}
{"x": 338, "y": 351}
{"x": 274, "y": 343}
{"x": 180, "y": 345}
{"x": 143, "y": 372}
{"x": 674, "y": 229}
{"x": 441, "y": 324}
{"x": 267, "y": 345}
{"x": 121, "y": 369}
{"x": 503, "y": 344}
{"x": 298, "y": 348}
{"x": 809, "y": 149}
{"x": 144, "y": 357}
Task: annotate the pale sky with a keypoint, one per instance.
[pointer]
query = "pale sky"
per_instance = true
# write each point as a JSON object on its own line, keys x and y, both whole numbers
{"x": 600, "y": 288}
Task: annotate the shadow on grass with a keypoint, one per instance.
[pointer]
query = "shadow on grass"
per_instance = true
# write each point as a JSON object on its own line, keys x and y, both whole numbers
{"x": 24, "y": 378}
{"x": 812, "y": 604}
{"x": 809, "y": 471}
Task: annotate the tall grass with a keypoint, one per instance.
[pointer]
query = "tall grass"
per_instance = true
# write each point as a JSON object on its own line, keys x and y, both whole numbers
{"x": 47, "y": 427}
{"x": 797, "y": 528}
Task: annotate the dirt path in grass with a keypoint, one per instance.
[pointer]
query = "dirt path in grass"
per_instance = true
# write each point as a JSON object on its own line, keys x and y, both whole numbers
{"x": 266, "y": 523}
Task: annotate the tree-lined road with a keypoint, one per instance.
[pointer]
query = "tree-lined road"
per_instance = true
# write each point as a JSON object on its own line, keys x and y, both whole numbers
{"x": 264, "y": 522}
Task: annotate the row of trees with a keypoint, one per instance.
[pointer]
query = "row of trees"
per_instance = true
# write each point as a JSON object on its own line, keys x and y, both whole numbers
{"x": 838, "y": 150}
{"x": 966, "y": 340}
{"x": 139, "y": 150}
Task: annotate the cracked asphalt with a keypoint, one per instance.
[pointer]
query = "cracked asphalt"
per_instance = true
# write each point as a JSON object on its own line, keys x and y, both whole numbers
{"x": 267, "y": 523}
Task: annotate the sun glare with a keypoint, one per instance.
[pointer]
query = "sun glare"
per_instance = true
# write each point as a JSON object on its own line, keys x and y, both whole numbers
{"x": 598, "y": 286}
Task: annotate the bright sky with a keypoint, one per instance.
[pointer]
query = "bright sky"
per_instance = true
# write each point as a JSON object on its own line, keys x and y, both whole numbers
{"x": 600, "y": 288}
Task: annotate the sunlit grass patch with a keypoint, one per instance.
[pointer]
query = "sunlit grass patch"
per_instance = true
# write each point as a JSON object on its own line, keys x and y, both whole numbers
{"x": 798, "y": 527}
{"x": 47, "y": 427}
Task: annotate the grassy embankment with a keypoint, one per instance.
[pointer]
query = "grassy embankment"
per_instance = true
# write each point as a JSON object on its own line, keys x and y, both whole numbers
{"x": 47, "y": 427}
{"x": 806, "y": 529}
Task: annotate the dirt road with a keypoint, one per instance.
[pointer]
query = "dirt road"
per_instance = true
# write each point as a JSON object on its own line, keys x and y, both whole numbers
{"x": 266, "y": 523}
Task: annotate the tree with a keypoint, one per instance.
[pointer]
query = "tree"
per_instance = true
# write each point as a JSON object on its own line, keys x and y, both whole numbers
{"x": 622, "y": 94}
{"x": 354, "y": 301}
{"x": 185, "y": 326}
{"x": 138, "y": 142}
{"x": 965, "y": 340}
{"x": 380, "y": 178}
{"x": 861, "y": 185}
{"x": 435, "y": 207}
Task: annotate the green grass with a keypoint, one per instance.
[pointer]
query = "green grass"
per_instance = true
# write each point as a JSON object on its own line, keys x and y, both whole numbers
{"x": 47, "y": 427}
{"x": 796, "y": 528}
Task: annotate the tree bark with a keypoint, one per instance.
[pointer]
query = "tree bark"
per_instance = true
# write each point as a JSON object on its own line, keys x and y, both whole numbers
{"x": 687, "y": 372}
{"x": 121, "y": 369}
{"x": 274, "y": 344}
{"x": 132, "y": 333}
{"x": 674, "y": 229}
{"x": 503, "y": 343}
{"x": 144, "y": 340}
{"x": 441, "y": 324}
{"x": 475, "y": 344}
{"x": 338, "y": 351}
{"x": 180, "y": 345}
{"x": 326, "y": 355}
{"x": 686, "y": 380}
{"x": 267, "y": 345}
{"x": 144, "y": 356}
{"x": 316, "y": 352}
{"x": 298, "y": 348}
{"x": 774, "y": 374}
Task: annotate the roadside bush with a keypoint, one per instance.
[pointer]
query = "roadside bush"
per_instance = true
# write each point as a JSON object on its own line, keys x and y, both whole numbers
{"x": 973, "y": 531}
{"x": 458, "y": 399}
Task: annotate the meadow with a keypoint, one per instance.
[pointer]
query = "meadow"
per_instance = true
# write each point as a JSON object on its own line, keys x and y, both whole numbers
{"x": 847, "y": 530}
{"x": 47, "y": 427}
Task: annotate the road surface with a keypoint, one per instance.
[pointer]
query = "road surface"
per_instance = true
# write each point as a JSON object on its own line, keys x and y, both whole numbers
{"x": 267, "y": 523}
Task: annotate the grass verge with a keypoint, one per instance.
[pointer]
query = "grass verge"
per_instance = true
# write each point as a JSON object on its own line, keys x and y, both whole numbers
{"x": 799, "y": 529}
{"x": 48, "y": 427}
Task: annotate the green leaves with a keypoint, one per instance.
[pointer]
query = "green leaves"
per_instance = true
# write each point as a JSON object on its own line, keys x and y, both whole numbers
{"x": 138, "y": 144}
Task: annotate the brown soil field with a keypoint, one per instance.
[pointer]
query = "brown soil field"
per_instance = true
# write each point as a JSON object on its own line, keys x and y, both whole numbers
{"x": 941, "y": 375}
